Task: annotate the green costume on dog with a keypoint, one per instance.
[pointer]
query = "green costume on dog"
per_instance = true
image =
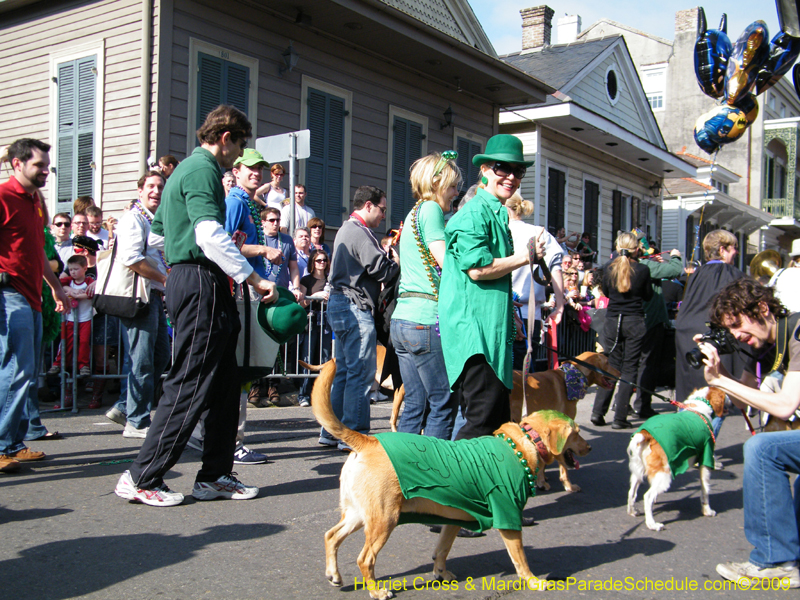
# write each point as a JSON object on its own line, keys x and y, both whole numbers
{"x": 682, "y": 435}
{"x": 481, "y": 476}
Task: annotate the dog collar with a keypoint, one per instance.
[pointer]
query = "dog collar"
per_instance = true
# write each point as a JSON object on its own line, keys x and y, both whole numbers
{"x": 575, "y": 381}
{"x": 530, "y": 474}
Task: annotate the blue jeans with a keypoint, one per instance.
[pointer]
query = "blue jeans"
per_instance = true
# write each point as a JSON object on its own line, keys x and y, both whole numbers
{"x": 317, "y": 346}
{"x": 354, "y": 350}
{"x": 20, "y": 349}
{"x": 147, "y": 350}
{"x": 771, "y": 516}
{"x": 419, "y": 352}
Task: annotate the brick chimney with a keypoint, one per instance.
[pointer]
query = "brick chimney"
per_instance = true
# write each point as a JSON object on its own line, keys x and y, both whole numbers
{"x": 537, "y": 23}
{"x": 686, "y": 21}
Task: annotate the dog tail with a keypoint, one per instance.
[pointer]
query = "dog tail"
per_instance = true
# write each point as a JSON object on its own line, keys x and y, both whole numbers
{"x": 635, "y": 444}
{"x": 315, "y": 368}
{"x": 323, "y": 412}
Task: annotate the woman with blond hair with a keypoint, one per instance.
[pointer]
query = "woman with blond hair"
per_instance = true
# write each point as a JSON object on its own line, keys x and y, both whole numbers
{"x": 627, "y": 285}
{"x": 415, "y": 322}
{"x": 521, "y": 281}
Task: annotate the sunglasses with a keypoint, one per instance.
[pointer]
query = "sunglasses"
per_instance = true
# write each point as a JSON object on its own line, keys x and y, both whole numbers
{"x": 272, "y": 220}
{"x": 383, "y": 208}
{"x": 504, "y": 169}
{"x": 321, "y": 261}
{"x": 316, "y": 227}
{"x": 62, "y": 224}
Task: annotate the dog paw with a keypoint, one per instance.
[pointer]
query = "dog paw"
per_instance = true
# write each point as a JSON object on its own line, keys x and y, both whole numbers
{"x": 655, "y": 526}
{"x": 382, "y": 594}
{"x": 444, "y": 576}
{"x": 542, "y": 485}
{"x": 573, "y": 488}
{"x": 709, "y": 512}
{"x": 334, "y": 579}
{"x": 632, "y": 512}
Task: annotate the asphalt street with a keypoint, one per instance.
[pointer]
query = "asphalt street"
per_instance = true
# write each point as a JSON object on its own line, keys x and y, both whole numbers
{"x": 66, "y": 535}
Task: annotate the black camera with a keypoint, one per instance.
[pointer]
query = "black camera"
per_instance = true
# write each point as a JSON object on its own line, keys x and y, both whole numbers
{"x": 721, "y": 339}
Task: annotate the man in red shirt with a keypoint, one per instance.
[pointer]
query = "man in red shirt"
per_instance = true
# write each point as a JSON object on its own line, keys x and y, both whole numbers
{"x": 22, "y": 265}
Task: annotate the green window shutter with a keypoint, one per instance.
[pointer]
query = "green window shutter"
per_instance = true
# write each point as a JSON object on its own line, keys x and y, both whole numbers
{"x": 591, "y": 210}
{"x": 407, "y": 148}
{"x": 237, "y": 85}
{"x": 555, "y": 200}
{"x": 469, "y": 173}
{"x": 616, "y": 215}
{"x": 220, "y": 82}
{"x": 77, "y": 99}
{"x": 325, "y": 165}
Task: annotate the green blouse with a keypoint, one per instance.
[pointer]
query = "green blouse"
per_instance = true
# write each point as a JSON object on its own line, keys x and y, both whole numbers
{"x": 475, "y": 316}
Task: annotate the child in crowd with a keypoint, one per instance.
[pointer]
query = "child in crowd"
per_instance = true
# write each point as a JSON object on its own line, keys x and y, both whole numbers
{"x": 75, "y": 287}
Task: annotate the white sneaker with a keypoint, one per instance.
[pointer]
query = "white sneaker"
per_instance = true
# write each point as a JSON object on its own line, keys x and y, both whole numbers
{"x": 787, "y": 574}
{"x": 195, "y": 444}
{"x": 227, "y": 487}
{"x": 161, "y": 496}
{"x": 117, "y": 416}
{"x": 131, "y": 432}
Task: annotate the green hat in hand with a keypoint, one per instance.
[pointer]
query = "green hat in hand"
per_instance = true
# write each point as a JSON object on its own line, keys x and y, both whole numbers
{"x": 284, "y": 318}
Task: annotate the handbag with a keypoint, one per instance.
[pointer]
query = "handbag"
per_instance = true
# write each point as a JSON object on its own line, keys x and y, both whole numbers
{"x": 119, "y": 291}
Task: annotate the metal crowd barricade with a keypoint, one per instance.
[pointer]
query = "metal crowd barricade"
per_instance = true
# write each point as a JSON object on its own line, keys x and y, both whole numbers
{"x": 571, "y": 341}
{"x": 302, "y": 346}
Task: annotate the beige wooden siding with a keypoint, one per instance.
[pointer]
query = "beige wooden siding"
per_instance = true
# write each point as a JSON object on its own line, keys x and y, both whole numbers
{"x": 375, "y": 85}
{"x": 25, "y": 85}
{"x": 591, "y": 94}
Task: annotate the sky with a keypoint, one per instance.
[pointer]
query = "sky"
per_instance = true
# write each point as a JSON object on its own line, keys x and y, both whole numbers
{"x": 502, "y": 23}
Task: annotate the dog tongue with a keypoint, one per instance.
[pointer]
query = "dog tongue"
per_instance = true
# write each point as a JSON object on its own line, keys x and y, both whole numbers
{"x": 575, "y": 460}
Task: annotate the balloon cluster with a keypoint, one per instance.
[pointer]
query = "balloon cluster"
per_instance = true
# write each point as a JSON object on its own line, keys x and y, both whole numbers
{"x": 738, "y": 73}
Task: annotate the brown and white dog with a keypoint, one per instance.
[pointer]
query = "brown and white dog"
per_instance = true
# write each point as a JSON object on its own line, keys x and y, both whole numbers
{"x": 648, "y": 458}
{"x": 371, "y": 496}
{"x": 547, "y": 390}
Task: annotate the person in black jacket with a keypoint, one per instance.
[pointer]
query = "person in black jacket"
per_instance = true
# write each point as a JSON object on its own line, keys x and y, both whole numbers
{"x": 627, "y": 285}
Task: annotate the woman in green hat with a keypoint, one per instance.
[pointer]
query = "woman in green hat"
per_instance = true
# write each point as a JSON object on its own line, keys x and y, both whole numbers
{"x": 476, "y": 317}
{"x": 414, "y": 328}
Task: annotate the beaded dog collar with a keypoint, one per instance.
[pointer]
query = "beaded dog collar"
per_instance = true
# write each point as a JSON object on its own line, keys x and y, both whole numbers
{"x": 531, "y": 474}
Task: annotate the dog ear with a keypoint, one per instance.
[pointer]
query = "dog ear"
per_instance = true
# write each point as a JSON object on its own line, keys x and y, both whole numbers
{"x": 553, "y": 432}
{"x": 716, "y": 398}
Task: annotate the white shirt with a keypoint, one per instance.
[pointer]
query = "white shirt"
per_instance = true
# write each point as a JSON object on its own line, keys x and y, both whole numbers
{"x": 302, "y": 215}
{"x": 521, "y": 278}
{"x": 787, "y": 288}
{"x": 275, "y": 198}
{"x": 102, "y": 238}
{"x": 133, "y": 231}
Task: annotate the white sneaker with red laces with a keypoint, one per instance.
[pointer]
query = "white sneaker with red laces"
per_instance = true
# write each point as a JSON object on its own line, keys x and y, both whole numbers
{"x": 227, "y": 487}
{"x": 161, "y": 496}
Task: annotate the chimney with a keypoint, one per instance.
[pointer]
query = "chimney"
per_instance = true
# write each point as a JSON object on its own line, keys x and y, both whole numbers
{"x": 686, "y": 21}
{"x": 568, "y": 29}
{"x": 536, "y": 25}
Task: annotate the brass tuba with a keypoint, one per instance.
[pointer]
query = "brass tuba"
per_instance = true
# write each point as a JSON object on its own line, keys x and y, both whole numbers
{"x": 765, "y": 264}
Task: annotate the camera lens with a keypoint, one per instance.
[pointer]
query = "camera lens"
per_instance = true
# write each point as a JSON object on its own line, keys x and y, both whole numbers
{"x": 695, "y": 358}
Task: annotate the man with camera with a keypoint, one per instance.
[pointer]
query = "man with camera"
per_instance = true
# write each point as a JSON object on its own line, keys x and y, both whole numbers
{"x": 752, "y": 314}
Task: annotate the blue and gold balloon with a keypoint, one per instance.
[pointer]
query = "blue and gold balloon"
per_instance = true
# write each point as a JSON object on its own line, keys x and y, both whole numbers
{"x": 711, "y": 52}
{"x": 723, "y": 125}
{"x": 749, "y": 53}
{"x": 783, "y": 51}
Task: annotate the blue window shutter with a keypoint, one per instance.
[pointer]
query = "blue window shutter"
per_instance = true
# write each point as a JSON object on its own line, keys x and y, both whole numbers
{"x": 407, "y": 148}
{"x": 77, "y": 97}
{"x": 555, "y": 200}
{"x": 469, "y": 173}
{"x": 591, "y": 211}
{"x": 325, "y": 165}
{"x": 237, "y": 85}
{"x": 66, "y": 120}
{"x": 209, "y": 85}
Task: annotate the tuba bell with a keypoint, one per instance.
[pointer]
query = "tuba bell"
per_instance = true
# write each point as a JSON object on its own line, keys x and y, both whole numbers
{"x": 765, "y": 264}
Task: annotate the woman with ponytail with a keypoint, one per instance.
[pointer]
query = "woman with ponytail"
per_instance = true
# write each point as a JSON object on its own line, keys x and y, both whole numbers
{"x": 627, "y": 285}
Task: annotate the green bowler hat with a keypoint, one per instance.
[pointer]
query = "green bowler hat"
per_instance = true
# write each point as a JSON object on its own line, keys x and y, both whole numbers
{"x": 284, "y": 318}
{"x": 251, "y": 158}
{"x": 502, "y": 148}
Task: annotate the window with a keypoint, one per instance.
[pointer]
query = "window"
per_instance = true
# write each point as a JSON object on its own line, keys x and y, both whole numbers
{"x": 407, "y": 140}
{"x": 656, "y": 101}
{"x": 783, "y": 110}
{"x": 467, "y": 148}
{"x": 219, "y": 76}
{"x": 654, "y": 83}
{"x": 722, "y": 187}
{"x": 591, "y": 210}
{"x": 612, "y": 85}
{"x": 556, "y": 189}
{"x": 769, "y": 176}
{"x": 76, "y": 82}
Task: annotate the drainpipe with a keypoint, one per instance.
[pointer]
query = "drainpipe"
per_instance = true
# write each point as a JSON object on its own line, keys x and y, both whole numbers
{"x": 147, "y": 73}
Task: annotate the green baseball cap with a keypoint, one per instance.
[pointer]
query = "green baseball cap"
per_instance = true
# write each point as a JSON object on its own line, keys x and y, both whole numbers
{"x": 251, "y": 158}
{"x": 284, "y": 318}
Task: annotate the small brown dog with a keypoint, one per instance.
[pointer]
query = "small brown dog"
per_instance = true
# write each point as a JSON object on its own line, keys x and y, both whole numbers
{"x": 371, "y": 495}
{"x": 687, "y": 435}
{"x": 547, "y": 390}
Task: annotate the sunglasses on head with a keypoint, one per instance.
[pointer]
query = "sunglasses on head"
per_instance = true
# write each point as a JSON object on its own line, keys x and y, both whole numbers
{"x": 504, "y": 169}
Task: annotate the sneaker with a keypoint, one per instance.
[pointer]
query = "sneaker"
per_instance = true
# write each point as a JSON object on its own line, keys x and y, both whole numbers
{"x": 305, "y": 402}
{"x": 132, "y": 432}
{"x": 89, "y": 386}
{"x": 245, "y": 456}
{"x": 785, "y": 572}
{"x": 117, "y": 416}
{"x": 8, "y": 464}
{"x": 227, "y": 487}
{"x": 344, "y": 447}
{"x": 27, "y": 455}
{"x": 195, "y": 444}
{"x": 54, "y": 370}
{"x": 161, "y": 496}
{"x": 327, "y": 441}
{"x": 85, "y": 372}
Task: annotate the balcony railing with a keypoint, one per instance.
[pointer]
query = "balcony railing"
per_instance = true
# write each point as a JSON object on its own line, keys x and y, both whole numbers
{"x": 781, "y": 207}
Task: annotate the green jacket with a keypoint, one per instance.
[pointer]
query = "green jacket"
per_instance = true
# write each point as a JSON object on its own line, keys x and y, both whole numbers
{"x": 193, "y": 193}
{"x": 655, "y": 309}
{"x": 476, "y": 316}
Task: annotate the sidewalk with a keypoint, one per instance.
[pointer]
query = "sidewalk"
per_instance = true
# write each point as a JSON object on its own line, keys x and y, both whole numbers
{"x": 66, "y": 535}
